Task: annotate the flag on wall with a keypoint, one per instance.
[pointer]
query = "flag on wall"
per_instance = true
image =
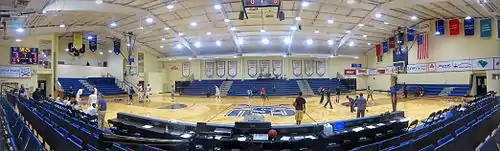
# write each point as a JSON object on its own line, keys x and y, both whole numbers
{"x": 454, "y": 26}
{"x": 423, "y": 46}
{"x": 385, "y": 47}
{"x": 392, "y": 42}
{"x": 485, "y": 27}
{"x": 379, "y": 53}
{"x": 469, "y": 27}
{"x": 410, "y": 34}
{"x": 439, "y": 27}
{"x": 93, "y": 43}
{"x": 116, "y": 46}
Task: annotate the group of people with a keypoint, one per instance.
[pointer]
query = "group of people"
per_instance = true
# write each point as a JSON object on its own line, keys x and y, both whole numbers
{"x": 262, "y": 92}
{"x": 327, "y": 92}
{"x": 359, "y": 101}
{"x": 143, "y": 94}
{"x": 96, "y": 103}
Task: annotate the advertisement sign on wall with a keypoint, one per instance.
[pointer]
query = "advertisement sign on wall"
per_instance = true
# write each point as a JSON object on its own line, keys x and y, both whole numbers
{"x": 444, "y": 66}
{"x": 431, "y": 67}
{"x": 462, "y": 65}
{"x": 349, "y": 72}
{"x": 389, "y": 70}
{"x": 482, "y": 64}
{"x": 496, "y": 62}
{"x": 416, "y": 68}
{"x": 15, "y": 72}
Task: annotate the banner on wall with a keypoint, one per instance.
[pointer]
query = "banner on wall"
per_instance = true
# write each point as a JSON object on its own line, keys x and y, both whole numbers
{"x": 485, "y": 27}
{"x": 232, "y": 68}
{"x": 362, "y": 72}
{"x": 221, "y": 68}
{"x": 186, "y": 69}
{"x": 444, "y": 66}
{"x": 482, "y": 64}
{"x": 209, "y": 68}
{"x": 372, "y": 71}
{"x": 385, "y": 46}
{"x": 252, "y": 68}
{"x": 431, "y": 67}
{"x": 389, "y": 70}
{"x": 469, "y": 27}
{"x": 93, "y": 42}
{"x": 462, "y": 65}
{"x": 454, "y": 26}
{"x": 297, "y": 67}
{"x": 277, "y": 67}
{"x": 355, "y": 65}
{"x": 439, "y": 27}
{"x": 416, "y": 68}
{"x": 410, "y": 34}
{"x": 309, "y": 67}
{"x": 381, "y": 71}
{"x": 116, "y": 46}
{"x": 15, "y": 72}
{"x": 498, "y": 28}
{"x": 320, "y": 67}
{"x": 496, "y": 66}
{"x": 350, "y": 72}
{"x": 264, "y": 67}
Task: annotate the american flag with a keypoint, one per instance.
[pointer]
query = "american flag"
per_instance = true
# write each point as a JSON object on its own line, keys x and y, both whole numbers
{"x": 423, "y": 46}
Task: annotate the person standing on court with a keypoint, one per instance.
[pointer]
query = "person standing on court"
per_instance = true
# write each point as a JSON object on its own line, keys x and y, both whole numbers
{"x": 394, "y": 98}
{"x": 351, "y": 103}
{"x": 322, "y": 93}
{"x": 328, "y": 100}
{"x": 370, "y": 94}
{"x": 300, "y": 108}
{"x": 337, "y": 91}
{"x": 405, "y": 90}
{"x": 92, "y": 98}
{"x": 263, "y": 94}
{"x": 131, "y": 92}
{"x": 101, "y": 112}
{"x": 361, "y": 105}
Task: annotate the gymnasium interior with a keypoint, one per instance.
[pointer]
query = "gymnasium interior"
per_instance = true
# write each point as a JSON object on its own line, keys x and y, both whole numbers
{"x": 250, "y": 75}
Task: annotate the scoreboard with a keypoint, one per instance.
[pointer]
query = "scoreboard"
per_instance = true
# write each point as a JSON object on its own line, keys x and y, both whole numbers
{"x": 261, "y": 3}
{"x": 23, "y": 55}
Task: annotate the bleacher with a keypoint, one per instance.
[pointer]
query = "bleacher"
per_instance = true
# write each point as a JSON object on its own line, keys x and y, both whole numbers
{"x": 458, "y": 128}
{"x": 435, "y": 89}
{"x": 200, "y": 87}
{"x": 327, "y": 84}
{"x": 283, "y": 87}
{"x": 105, "y": 85}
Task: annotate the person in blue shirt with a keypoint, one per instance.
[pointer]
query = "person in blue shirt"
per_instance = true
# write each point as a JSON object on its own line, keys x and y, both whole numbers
{"x": 394, "y": 98}
{"x": 351, "y": 103}
{"x": 131, "y": 92}
{"x": 361, "y": 104}
{"x": 101, "y": 111}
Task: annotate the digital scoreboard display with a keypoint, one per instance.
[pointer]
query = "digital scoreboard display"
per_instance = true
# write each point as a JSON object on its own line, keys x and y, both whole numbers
{"x": 23, "y": 55}
{"x": 261, "y": 3}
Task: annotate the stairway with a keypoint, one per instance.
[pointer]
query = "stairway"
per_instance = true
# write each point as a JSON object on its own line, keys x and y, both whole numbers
{"x": 304, "y": 87}
{"x": 446, "y": 91}
{"x": 224, "y": 87}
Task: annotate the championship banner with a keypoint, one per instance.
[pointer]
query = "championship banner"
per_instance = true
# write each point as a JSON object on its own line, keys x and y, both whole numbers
{"x": 385, "y": 46}
{"x": 116, "y": 46}
{"x": 431, "y": 67}
{"x": 252, "y": 68}
{"x": 277, "y": 67}
{"x": 381, "y": 71}
{"x": 221, "y": 68}
{"x": 483, "y": 64}
{"x": 209, "y": 68}
{"x": 462, "y": 65}
{"x": 232, "y": 68}
{"x": 454, "y": 26}
{"x": 186, "y": 69}
{"x": 93, "y": 43}
{"x": 309, "y": 67}
{"x": 416, "y": 68}
{"x": 389, "y": 70}
{"x": 15, "y": 72}
{"x": 410, "y": 34}
{"x": 424, "y": 27}
{"x": 469, "y": 27}
{"x": 498, "y": 28}
{"x": 496, "y": 66}
{"x": 485, "y": 27}
{"x": 264, "y": 67}
{"x": 77, "y": 40}
{"x": 321, "y": 67}
{"x": 439, "y": 27}
{"x": 350, "y": 72}
{"x": 392, "y": 42}
{"x": 297, "y": 67}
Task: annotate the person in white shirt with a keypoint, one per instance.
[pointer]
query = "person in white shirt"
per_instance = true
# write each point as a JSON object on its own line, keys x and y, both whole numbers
{"x": 91, "y": 110}
{"x": 95, "y": 90}
{"x": 140, "y": 93}
{"x": 92, "y": 98}
{"x": 148, "y": 93}
{"x": 58, "y": 99}
{"x": 79, "y": 94}
{"x": 66, "y": 101}
{"x": 217, "y": 93}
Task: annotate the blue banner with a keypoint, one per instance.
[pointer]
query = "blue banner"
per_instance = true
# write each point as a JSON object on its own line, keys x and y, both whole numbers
{"x": 385, "y": 46}
{"x": 498, "y": 30}
{"x": 400, "y": 54}
{"x": 410, "y": 34}
{"x": 93, "y": 43}
{"x": 439, "y": 27}
{"x": 469, "y": 27}
{"x": 485, "y": 27}
{"x": 116, "y": 46}
{"x": 354, "y": 65}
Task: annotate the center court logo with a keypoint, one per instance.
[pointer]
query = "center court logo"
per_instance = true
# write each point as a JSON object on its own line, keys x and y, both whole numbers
{"x": 276, "y": 110}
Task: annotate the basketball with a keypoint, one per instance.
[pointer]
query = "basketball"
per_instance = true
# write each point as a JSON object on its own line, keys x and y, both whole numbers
{"x": 272, "y": 133}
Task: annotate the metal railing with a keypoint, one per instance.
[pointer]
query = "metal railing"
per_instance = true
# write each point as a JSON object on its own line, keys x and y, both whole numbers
{"x": 122, "y": 84}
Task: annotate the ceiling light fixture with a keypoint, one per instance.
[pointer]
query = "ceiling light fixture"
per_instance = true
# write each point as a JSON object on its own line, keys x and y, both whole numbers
{"x": 413, "y": 18}
{"x": 209, "y": 33}
{"x": 166, "y": 28}
{"x": 194, "y": 24}
{"x": 330, "y": 42}
{"x": 178, "y": 46}
{"x": 66, "y": 49}
{"x": 233, "y": 29}
{"x": 365, "y": 36}
{"x": 128, "y": 45}
{"x": 350, "y": 1}
{"x": 113, "y": 25}
{"x": 109, "y": 51}
{"x": 62, "y": 25}
{"x": 149, "y": 20}
{"x": 227, "y": 20}
{"x": 351, "y": 43}
{"x": 98, "y": 1}
{"x": 89, "y": 37}
{"x": 141, "y": 27}
{"x": 18, "y": 40}
{"x": 361, "y": 25}
{"x": 298, "y": 18}
{"x": 309, "y": 41}
{"x": 235, "y": 56}
{"x": 378, "y": 15}
{"x": 161, "y": 46}
{"x": 20, "y": 30}
{"x": 316, "y": 31}
{"x": 218, "y": 43}
{"x": 197, "y": 44}
{"x": 265, "y": 41}
{"x": 262, "y": 30}
{"x": 101, "y": 53}
{"x": 356, "y": 57}
{"x": 468, "y": 17}
{"x": 369, "y": 44}
{"x": 181, "y": 34}
{"x": 305, "y": 4}
{"x": 217, "y": 7}
{"x": 170, "y": 6}
{"x": 163, "y": 39}
{"x": 190, "y": 58}
{"x": 387, "y": 23}
{"x": 330, "y": 21}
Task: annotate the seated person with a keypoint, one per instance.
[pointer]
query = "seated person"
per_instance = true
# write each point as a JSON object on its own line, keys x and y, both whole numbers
{"x": 75, "y": 106}
{"x": 66, "y": 101}
{"x": 91, "y": 110}
{"x": 58, "y": 100}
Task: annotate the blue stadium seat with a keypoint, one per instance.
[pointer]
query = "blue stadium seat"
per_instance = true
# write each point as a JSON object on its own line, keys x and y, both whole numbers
{"x": 148, "y": 148}
{"x": 90, "y": 148}
{"x": 34, "y": 144}
{"x": 118, "y": 147}
{"x": 490, "y": 144}
{"x": 428, "y": 148}
{"x": 444, "y": 139}
{"x": 74, "y": 144}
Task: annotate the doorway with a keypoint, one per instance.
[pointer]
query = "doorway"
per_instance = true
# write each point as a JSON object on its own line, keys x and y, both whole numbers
{"x": 42, "y": 85}
{"x": 481, "y": 88}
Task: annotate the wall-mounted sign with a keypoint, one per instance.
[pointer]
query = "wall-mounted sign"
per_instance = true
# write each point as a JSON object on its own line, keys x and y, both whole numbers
{"x": 15, "y": 72}
{"x": 416, "y": 68}
{"x": 482, "y": 64}
{"x": 23, "y": 55}
{"x": 349, "y": 72}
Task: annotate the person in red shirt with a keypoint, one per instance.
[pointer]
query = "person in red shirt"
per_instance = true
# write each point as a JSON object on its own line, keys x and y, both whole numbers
{"x": 263, "y": 94}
